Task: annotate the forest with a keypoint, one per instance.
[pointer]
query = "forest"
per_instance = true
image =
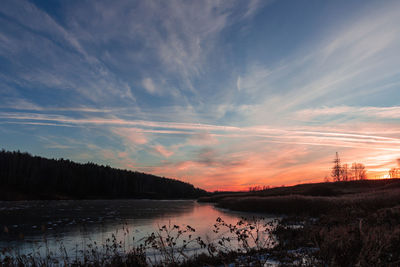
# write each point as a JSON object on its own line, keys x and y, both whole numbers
{"x": 23, "y": 176}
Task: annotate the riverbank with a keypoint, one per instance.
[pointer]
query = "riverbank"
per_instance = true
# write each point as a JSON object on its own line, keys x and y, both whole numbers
{"x": 345, "y": 224}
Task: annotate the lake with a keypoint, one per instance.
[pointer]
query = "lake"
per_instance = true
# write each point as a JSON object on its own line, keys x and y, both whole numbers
{"x": 37, "y": 226}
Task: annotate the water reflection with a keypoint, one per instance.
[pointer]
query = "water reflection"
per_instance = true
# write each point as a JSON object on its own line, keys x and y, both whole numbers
{"x": 46, "y": 225}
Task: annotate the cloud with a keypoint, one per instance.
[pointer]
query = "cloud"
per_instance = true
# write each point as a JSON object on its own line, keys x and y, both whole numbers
{"x": 242, "y": 155}
{"x": 230, "y": 114}
{"x": 122, "y": 154}
{"x": 202, "y": 139}
{"x": 19, "y": 104}
{"x": 238, "y": 83}
{"x": 347, "y": 135}
{"x": 56, "y": 58}
{"x": 78, "y": 53}
{"x": 369, "y": 112}
{"x": 161, "y": 150}
{"x": 254, "y": 6}
{"x": 340, "y": 65}
{"x": 131, "y": 136}
{"x": 149, "y": 85}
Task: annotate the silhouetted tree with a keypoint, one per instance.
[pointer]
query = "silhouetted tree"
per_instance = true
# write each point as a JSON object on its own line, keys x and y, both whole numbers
{"x": 394, "y": 173}
{"x": 336, "y": 170}
{"x": 344, "y": 173}
{"x": 258, "y": 188}
{"x": 358, "y": 171}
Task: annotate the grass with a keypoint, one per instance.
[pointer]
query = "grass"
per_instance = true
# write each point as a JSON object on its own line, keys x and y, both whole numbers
{"x": 353, "y": 223}
{"x": 359, "y": 242}
{"x": 348, "y": 239}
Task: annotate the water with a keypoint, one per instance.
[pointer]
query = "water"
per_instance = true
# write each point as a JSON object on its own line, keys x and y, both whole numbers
{"x": 40, "y": 226}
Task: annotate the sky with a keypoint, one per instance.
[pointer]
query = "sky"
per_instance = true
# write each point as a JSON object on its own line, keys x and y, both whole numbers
{"x": 221, "y": 94}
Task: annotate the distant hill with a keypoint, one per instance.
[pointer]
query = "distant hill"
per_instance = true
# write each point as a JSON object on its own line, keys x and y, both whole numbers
{"x": 23, "y": 176}
{"x": 312, "y": 198}
{"x": 325, "y": 189}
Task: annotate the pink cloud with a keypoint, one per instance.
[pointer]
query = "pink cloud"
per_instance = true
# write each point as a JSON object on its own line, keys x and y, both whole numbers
{"x": 122, "y": 154}
{"x": 231, "y": 157}
{"x": 131, "y": 135}
{"x": 163, "y": 151}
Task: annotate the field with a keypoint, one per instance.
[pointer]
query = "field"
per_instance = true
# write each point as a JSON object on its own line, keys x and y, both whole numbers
{"x": 344, "y": 223}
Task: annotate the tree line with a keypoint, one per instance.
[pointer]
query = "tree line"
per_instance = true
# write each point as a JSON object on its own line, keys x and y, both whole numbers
{"x": 33, "y": 175}
{"x": 258, "y": 188}
{"x": 345, "y": 172}
{"x": 394, "y": 173}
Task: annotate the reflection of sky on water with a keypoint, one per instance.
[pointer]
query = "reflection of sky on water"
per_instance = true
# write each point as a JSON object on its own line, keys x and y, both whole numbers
{"x": 75, "y": 224}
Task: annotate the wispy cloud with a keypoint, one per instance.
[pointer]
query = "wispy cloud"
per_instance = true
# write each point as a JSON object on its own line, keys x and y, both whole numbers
{"x": 163, "y": 151}
{"x": 368, "y": 112}
{"x": 132, "y": 136}
{"x": 58, "y": 59}
{"x": 149, "y": 85}
{"x": 348, "y": 136}
{"x": 341, "y": 66}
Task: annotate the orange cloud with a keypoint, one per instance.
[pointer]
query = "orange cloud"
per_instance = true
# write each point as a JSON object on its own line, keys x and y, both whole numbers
{"x": 251, "y": 163}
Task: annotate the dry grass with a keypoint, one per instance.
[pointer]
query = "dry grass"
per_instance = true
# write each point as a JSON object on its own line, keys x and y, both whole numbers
{"x": 370, "y": 240}
{"x": 314, "y": 205}
{"x": 356, "y": 225}
{"x": 351, "y": 230}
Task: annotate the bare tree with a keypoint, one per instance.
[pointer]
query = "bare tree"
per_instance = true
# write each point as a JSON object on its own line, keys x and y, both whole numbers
{"x": 344, "y": 172}
{"x": 394, "y": 173}
{"x": 362, "y": 172}
{"x": 358, "y": 171}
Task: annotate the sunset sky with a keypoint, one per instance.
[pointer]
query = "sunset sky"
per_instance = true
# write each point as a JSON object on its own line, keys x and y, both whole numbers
{"x": 221, "y": 94}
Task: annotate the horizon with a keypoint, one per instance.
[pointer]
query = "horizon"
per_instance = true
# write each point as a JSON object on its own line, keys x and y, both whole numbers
{"x": 222, "y": 95}
{"x": 327, "y": 179}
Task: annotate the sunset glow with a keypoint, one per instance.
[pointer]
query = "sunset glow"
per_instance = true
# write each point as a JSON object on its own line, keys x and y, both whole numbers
{"x": 221, "y": 94}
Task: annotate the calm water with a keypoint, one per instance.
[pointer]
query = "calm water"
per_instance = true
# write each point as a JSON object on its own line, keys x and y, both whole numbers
{"x": 37, "y": 225}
